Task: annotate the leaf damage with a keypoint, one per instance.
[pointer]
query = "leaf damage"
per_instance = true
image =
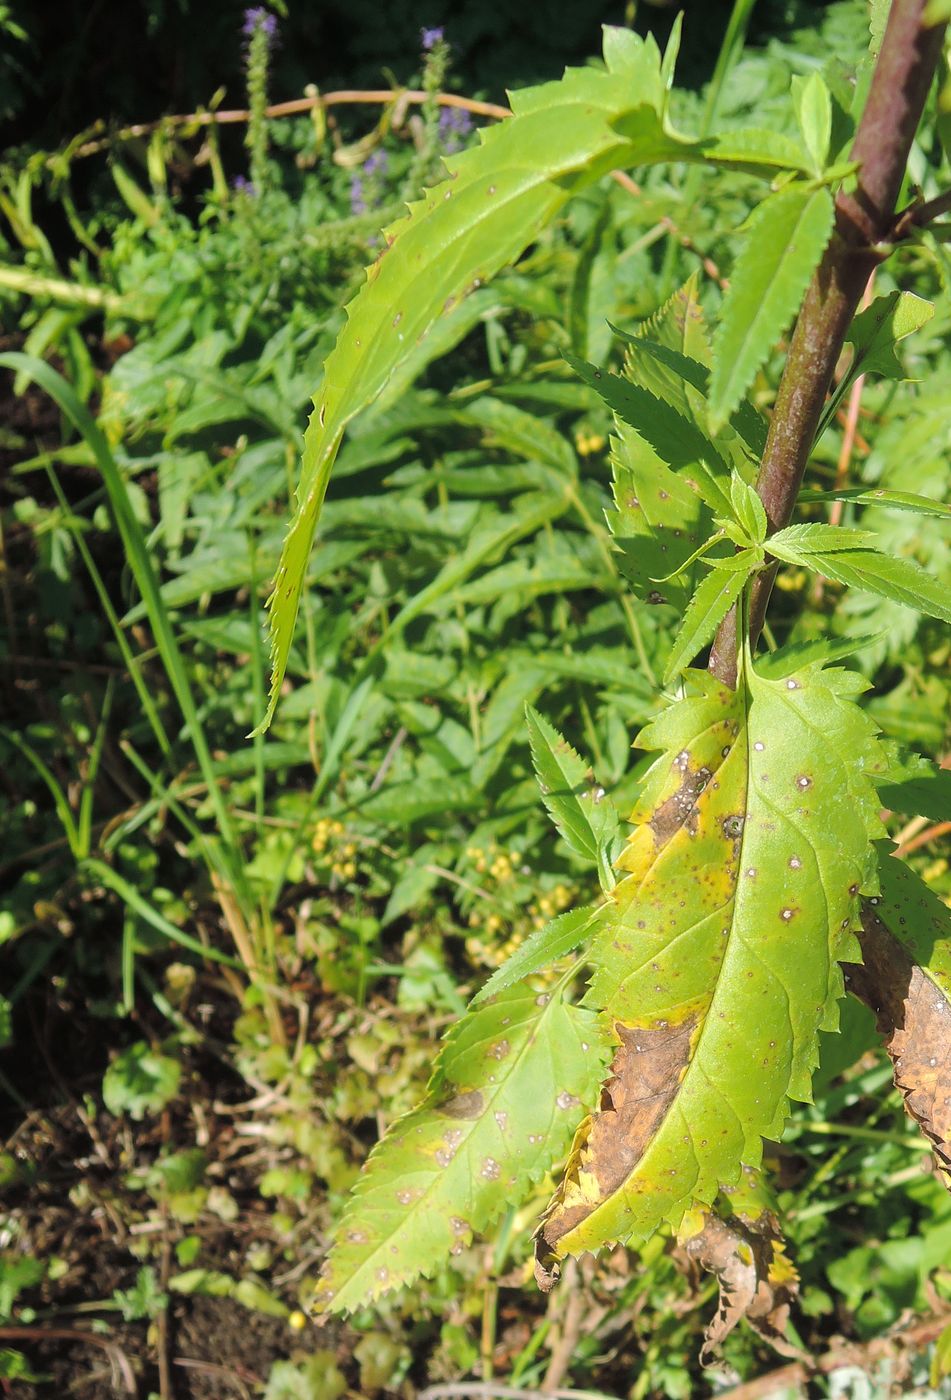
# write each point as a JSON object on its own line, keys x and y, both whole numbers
{"x": 746, "y": 1252}
{"x": 719, "y": 962}
{"x": 905, "y": 979}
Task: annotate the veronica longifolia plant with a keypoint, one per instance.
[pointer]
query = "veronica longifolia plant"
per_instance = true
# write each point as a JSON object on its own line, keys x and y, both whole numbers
{"x": 756, "y": 865}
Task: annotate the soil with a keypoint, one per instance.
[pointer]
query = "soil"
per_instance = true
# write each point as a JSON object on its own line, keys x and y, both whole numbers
{"x": 73, "y": 1201}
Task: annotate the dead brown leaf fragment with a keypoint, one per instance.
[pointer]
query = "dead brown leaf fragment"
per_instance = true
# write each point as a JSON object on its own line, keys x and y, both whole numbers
{"x": 757, "y": 1282}
{"x": 645, "y": 1073}
{"x": 913, "y": 1015}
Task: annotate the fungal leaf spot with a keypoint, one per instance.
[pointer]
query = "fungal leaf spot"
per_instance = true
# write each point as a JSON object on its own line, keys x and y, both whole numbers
{"x": 489, "y": 1126}
{"x": 708, "y": 960}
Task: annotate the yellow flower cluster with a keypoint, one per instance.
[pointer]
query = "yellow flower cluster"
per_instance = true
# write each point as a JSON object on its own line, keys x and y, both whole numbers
{"x": 327, "y": 834}
{"x": 550, "y": 904}
{"x": 325, "y": 831}
{"x": 587, "y": 443}
{"x": 501, "y": 865}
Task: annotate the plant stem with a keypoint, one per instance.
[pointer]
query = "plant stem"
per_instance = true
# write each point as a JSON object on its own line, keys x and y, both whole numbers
{"x": 864, "y": 220}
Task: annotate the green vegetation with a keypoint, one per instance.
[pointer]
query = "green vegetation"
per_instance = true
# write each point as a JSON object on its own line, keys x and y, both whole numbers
{"x": 239, "y": 919}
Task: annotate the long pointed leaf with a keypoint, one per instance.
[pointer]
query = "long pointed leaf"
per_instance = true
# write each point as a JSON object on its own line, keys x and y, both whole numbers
{"x": 752, "y": 845}
{"x": 500, "y": 1108}
{"x": 785, "y": 237}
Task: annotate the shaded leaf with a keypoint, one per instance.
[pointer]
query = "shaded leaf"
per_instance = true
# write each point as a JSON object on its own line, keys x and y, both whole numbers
{"x": 581, "y": 810}
{"x": 785, "y": 238}
{"x": 675, "y": 436}
{"x": 500, "y": 1108}
{"x": 916, "y": 786}
{"x": 876, "y": 331}
{"x": 752, "y": 842}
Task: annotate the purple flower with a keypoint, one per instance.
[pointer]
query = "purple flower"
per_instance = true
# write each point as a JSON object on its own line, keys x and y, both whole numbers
{"x": 429, "y": 38}
{"x": 259, "y": 18}
{"x": 455, "y": 124}
{"x": 376, "y": 164}
{"x": 242, "y": 186}
{"x": 358, "y": 198}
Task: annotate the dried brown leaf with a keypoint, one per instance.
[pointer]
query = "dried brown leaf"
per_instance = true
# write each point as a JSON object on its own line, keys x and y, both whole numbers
{"x": 757, "y": 1281}
{"x": 913, "y": 1014}
{"x": 645, "y": 1073}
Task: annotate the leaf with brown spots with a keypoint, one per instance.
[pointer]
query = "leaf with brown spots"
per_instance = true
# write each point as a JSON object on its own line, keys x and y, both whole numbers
{"x": 503, "y": 1101}
{"x": 742, "y": 1244}
{"x": 906, "y": 981}
{"x": 752, "y": 843}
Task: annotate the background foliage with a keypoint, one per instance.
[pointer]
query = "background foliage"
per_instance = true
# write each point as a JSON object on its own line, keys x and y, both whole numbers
{"x": 229, "y": 959}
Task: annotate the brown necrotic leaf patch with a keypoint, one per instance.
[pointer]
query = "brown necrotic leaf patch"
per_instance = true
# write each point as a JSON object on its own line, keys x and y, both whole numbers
{"x": 645, "y": 1073}
{"x": 757, "y": 1281}
{"x": 914, "y": 1016}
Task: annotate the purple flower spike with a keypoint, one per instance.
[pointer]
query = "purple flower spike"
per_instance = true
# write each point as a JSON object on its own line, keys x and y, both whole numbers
{"x": 455, "y": 124}
{"x": 259, "y": 18}
{"x": 358, "y": 200}
{"x": 429, "y": 38}
{"x": 376, "y": 164}
{"x": 242, "y": 186}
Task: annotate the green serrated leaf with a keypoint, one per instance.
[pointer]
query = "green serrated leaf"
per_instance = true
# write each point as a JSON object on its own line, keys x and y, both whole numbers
{"x": 785, "y": 238}
{"x": 887, "y": 500}
{"x": 876, "y": 331}
{"x": 813, "y": 103}
{"x": 677, "y": 439}
{"x": 752, "y": 845}
{"x": 502, "y": 1105}
{"x": 755, "y": 152}
{"x": 748, "y": 509}
{"x": 901, "y": 580}
{"x": 792, "y": 657}
{"x": 714, "y": 598}
{"x": 797, "y": 543}
{"x": 560, "y": 936}
{"x": 561, "y": 136}
{"x": 581, "y": 810}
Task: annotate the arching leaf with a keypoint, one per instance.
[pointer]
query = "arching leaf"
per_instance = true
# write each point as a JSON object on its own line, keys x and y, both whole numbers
{"x": 501, "y": 1107}
{"x": 751, "y": 847}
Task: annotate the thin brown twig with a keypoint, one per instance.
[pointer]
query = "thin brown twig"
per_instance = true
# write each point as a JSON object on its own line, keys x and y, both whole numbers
{"x": 211, "y": 1368}
{"x": 296, "y": 107}
{"x": 922, "y": 839}
{"x": 490, "y": 1390}
{"x": 75, "y": 1334}
{"x": 860, "y": 1355}
{"x": 918, "y": 215}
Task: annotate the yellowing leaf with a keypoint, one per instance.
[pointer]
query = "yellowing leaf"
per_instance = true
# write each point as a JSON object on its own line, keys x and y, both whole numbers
{"x": 750, "y": 849}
